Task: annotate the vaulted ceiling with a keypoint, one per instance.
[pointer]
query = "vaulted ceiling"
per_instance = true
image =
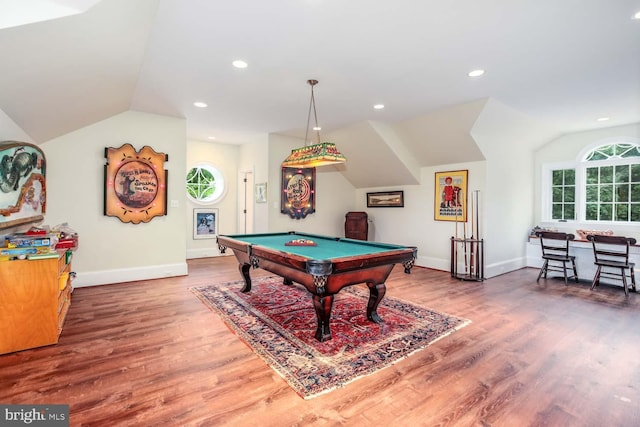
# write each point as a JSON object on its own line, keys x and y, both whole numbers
{"x": 562, "y": 63}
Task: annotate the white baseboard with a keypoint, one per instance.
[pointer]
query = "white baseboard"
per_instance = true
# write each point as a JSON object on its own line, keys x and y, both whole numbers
{"x": 95, "y": 278}
{"x": 490, "y": 270}
{"x": 206, "y": 253}
{"x": 503, "y": 267}
{"x": 434, "y": 263}
{"x": 105, "y": 277}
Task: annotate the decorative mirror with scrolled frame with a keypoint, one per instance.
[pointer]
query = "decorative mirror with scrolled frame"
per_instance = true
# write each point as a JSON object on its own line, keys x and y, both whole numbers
{"x": 135, "y": 184}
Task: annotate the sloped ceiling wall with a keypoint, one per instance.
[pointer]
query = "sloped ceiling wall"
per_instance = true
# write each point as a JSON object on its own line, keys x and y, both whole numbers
{"x": 382, "y": 154}
{"x": 372, "y": 160}
{"x": 97, "y": 76}
{"x": 443, "y": 136}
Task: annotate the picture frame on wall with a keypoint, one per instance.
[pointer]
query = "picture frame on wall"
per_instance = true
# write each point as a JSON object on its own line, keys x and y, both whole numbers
{"x": 205, "y": 223}
{"x": 261, "y": 192}
{"x": 385, "y": 199}
{"x": 450, "y": 197}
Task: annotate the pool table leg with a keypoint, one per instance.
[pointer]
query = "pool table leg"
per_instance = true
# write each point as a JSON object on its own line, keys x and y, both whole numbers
{"x": 376, "y": 293}
{"x": 323, "y": 304}
{"x": 244, "y": 270}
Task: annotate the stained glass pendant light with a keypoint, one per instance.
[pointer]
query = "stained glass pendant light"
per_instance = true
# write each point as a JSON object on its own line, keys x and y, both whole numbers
{"x": 318, "y": 154}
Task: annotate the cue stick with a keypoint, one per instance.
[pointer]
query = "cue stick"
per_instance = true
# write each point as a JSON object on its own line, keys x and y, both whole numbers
{"x": 456, "y": 225}
{"x": 454, "y": 254}
{"x": 478, "y": 229}
{"x": 478, "y": 213}
{"x": 464, "y": 244}
{"x": 472, "y": 258}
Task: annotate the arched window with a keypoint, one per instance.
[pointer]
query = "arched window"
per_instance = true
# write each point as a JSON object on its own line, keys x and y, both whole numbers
{"x": 612, "y": 183}
{"x": 603, "y": 185}
{"x": 205, "y": 184}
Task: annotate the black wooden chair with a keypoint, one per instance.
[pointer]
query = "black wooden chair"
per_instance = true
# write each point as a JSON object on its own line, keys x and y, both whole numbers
{"x": 555, "y": 253}
{"x": 611, "y": 255}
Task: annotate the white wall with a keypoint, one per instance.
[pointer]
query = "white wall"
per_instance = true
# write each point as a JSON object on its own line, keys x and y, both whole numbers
{"x": 111, "y": 251}
{"x": 504, "y": 182}
{"x": 225, "y": 158}
{"x": 415, "y": 224}
{"x": 507, "y": 139}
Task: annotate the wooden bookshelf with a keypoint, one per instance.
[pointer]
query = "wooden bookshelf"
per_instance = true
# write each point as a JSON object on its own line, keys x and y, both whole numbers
{"x": 34, "y": 302}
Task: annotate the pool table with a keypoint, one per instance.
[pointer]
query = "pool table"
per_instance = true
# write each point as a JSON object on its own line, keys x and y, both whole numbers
{"x": 323, "y": 269}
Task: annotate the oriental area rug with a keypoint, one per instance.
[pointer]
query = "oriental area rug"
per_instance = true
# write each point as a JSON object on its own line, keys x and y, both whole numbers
{"x": 278, "y": 323}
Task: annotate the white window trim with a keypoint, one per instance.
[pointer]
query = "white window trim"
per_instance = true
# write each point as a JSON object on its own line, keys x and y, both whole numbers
{"x": 580, "y": 166}
{"x": 219, "y": 177}
{"x": 547, "y": 175}
{"x": 583, "y": 195}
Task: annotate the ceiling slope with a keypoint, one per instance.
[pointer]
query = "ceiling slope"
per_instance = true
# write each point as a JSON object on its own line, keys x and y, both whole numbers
{"x": 381, "y": 154}
{"x": 371, "y": 159}
{"x": 443, "y": 136}
{"x": 63, "y": 74}
{"x": 565, "y": 63}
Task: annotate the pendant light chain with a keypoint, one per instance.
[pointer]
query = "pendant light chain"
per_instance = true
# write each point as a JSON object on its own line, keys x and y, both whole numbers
{"x": 313, "y": 155}
{"x": 312, "y": 105}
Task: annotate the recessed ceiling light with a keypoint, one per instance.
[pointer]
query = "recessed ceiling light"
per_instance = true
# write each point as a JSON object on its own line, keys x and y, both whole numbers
{"x": 378, "y": 106}
{"x": 602, "y": 119}
{"x": 211, "y": 137}
{"x": 475, "y": 73}
{"x": 200, "y": 104}
{"x": 239, "y": 64}
{"x": 316, "y": 128}
{"x": 636, "y": 16}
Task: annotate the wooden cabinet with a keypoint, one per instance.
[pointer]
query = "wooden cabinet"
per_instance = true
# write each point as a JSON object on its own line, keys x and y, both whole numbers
{"x": 356, "y": 225}
{"x": 34, "y": 299}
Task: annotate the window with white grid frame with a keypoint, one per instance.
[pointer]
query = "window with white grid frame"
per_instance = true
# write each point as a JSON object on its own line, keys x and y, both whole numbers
{"x": 563, "y": 190}
{"x": 604, "y": 187}
{"x": 205, "y": 184}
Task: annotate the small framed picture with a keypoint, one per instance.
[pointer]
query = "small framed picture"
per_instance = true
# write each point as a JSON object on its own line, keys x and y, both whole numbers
{"x": 205, "y": 223}
{"x": 385, "y": 199}
{"x": 261, "y": 192}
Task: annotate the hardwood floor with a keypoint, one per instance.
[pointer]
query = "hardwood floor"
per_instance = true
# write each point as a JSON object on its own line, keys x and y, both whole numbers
{"x": 149, "y": 353}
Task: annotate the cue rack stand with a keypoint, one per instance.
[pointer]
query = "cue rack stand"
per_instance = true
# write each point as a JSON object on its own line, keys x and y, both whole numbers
{"x": 470, "y": 249}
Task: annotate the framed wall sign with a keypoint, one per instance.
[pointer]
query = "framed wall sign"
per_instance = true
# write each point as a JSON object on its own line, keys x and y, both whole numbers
{"x": 385, "y": 199}
{"x": 23, "y": 190}
{"x": 135, "y": 184}
{"x": 205, "y": 223}
{"x": 298, "y": 195}
{"x": 450, "y": 199}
